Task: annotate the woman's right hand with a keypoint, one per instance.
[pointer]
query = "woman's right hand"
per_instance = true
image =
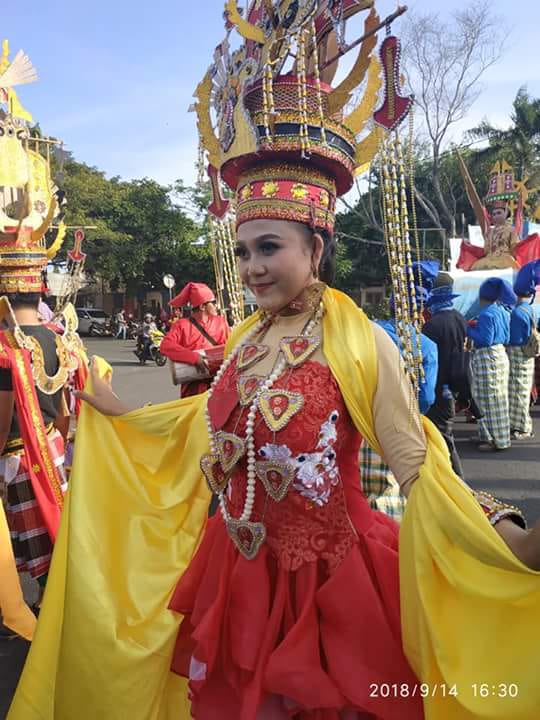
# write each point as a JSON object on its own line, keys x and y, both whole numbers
{"x": 103, "y": 399}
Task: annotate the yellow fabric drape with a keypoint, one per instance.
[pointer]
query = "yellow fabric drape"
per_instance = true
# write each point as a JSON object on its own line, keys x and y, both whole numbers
{"x": 135, "y": 512}
{"x": 16, "y": 614}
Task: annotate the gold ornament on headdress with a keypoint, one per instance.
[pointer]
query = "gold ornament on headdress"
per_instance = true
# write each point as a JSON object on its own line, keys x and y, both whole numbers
{"x": 268, "y": 105}
{"x": 27, "y": 198}
{"x": 228, "y": 283}
{"x": 395, "y": 199}
{"x": 270, "y": 33}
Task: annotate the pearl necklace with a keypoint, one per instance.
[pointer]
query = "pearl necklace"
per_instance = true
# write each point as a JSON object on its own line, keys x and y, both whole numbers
{"x": 280, "y": 366}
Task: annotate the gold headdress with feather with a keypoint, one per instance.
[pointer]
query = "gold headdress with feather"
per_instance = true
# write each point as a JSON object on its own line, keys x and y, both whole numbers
{"x": 28, "y": 201}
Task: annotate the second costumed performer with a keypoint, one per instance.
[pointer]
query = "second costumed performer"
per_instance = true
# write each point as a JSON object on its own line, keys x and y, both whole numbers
{"x": 287, "y": 603}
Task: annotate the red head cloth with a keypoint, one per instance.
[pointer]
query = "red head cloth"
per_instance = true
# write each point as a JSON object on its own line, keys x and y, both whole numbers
{"x": 193, "y": 294}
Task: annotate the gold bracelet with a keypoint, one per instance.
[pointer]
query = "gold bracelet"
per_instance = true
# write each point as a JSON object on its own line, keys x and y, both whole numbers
{"x": 496, "y": 510}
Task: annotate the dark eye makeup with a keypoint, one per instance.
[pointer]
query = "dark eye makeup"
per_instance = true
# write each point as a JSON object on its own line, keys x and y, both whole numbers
{"x": 265, "y": 247}
{"x": 240, "y": 251}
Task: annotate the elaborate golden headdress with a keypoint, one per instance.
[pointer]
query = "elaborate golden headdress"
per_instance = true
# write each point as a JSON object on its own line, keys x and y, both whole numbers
{"x": 269, "y": 119}
{"x": 28, "y": 202}
{"x": 289, "y": 142}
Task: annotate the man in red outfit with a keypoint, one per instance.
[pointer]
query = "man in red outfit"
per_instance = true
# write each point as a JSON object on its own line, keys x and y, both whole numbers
{"x": 202, "y": 331}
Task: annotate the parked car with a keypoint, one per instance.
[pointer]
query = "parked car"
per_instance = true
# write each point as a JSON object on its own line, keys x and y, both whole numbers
{"x": 93, "y": 321}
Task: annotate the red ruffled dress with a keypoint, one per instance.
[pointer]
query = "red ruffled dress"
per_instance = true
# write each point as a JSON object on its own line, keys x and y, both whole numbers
{"x": 309, "y": 628}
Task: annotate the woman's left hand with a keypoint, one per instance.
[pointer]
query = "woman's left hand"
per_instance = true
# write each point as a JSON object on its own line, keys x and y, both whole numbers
{"x": 103, "y": 399}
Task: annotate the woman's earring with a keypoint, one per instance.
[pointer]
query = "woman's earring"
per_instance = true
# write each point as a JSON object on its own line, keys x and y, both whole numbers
{"x": 314, "y": 270}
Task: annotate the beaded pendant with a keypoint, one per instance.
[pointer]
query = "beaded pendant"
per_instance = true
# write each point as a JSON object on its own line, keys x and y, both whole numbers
{"x": 216, "y": 477}
{"x": 278, "y": 407}
{"x": 247, "y": 386}
{"x": 230, "y": 449}
{"x": 276, "y": 478}
{"x": 247, "y": 536}
{"x": 297, "y": 350}
{"x": 250, "y": 354}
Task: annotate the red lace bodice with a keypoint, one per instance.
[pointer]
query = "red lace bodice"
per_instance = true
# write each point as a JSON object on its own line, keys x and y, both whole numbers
{"x": 311, "y": 522}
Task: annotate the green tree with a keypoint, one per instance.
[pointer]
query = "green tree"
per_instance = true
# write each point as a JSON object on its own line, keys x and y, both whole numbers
{"x": 520, "y": 143}
{"x": 141, "y": 233}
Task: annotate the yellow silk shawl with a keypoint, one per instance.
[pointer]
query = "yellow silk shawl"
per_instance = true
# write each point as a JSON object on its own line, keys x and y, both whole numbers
{"x": 136, "y": 511}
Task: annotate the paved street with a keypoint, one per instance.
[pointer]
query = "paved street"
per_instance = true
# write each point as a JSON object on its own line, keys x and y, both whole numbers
{"x": 513, "y": 475}
{"x": 135, "y": 384}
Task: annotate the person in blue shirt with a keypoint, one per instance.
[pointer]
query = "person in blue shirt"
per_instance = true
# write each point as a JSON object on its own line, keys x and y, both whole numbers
{"x": 426, "y": 395}
{"x": 378, "y": 483}
{"x": 522, "y": 321}
{"x": 490, "y": 364}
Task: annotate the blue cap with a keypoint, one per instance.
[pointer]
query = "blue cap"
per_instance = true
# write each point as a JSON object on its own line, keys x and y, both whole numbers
{"x": 441, "y": 294}
{"x": 427, "y": 270}
{"x": 422, "y": 296}
{"x": 496, "y": 289}
{"x": 527, "y": 279}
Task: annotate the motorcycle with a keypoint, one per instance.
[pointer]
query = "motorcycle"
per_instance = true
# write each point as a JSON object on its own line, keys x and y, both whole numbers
{"x": 132, "y": 329}
{"x": 153, "y": 352}
{"x": 100, "y": 329}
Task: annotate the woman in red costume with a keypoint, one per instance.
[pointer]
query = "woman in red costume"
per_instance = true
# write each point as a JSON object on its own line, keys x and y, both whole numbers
{"x": 296, "y": 604}
{"x": 290, "y": 607}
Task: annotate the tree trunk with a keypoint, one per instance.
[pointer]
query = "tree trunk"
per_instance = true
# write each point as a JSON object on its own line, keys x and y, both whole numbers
{"x": 443, "y": 205}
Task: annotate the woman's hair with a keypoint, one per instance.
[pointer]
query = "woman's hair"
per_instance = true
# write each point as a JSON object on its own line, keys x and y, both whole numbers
{"x": 327, "y": 267}
{"x": 24, "y": 300}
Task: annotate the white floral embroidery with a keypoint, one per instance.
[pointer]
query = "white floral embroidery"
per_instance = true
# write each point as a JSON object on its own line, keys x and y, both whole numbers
{"x": 276, "y": 453}
{"x": 328, "y": 433}
{"x": 316, "y": 473}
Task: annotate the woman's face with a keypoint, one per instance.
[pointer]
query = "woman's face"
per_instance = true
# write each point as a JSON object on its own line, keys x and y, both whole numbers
{"x": 276, "y": 260}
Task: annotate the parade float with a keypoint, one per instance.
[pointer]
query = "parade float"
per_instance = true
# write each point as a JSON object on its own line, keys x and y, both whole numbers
{"x": 504, "y": 239}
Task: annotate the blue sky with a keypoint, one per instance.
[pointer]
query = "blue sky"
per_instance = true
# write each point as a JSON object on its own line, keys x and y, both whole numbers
{"x": 117, "y": 77}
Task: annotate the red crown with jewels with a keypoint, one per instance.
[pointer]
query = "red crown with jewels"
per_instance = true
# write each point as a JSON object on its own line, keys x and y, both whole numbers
{"x": 304, "y": 159}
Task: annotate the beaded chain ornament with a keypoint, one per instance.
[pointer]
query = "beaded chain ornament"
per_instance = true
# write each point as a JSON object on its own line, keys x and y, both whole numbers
{"x": 394, "y": 191}
{"x": 305, "y": 41}
{"x": 276, "y": 409}
{"x": 222, "y": 242}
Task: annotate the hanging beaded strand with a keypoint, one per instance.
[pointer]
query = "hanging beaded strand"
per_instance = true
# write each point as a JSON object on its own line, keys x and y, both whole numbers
{"x": 228, "y": 264}
{"x": 214, "y": 224}
{"x": 302, "y": 91}
{"x": 268, "y": 99}
{"x": 397, "y": 258}
{"x": 317, "y": 75}
{"x": 412, "y": 195}
{"x": 386, "y": 201}
{"x": 405, "y": 235}
{"x": 402, "y": 298}
{"x": 235, "y": 282}
{"x": 388, "y": 216}
{"x": 201, "y": 166}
